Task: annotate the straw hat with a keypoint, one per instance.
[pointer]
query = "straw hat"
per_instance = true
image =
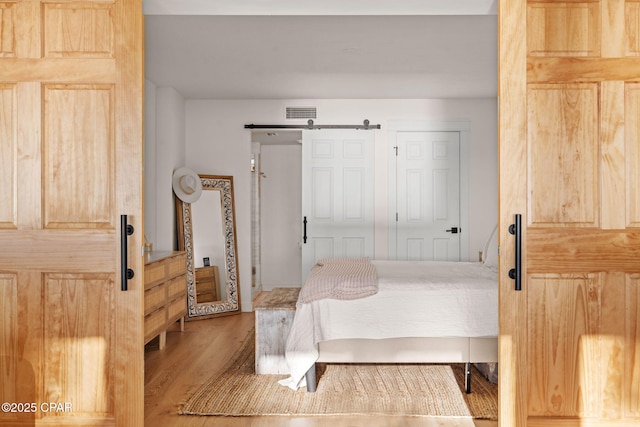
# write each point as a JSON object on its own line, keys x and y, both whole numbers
{"x": 187, "y": 185}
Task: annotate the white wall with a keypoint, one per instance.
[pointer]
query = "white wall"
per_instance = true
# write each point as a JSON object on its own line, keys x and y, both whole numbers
{"x": 150, "y": 158}
{"x": 164, "y": 152}
{"x": 218, "y": 143}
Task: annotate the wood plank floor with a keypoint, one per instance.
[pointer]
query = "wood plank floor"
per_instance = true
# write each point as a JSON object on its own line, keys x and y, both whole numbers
{"x": 191, "y": 357}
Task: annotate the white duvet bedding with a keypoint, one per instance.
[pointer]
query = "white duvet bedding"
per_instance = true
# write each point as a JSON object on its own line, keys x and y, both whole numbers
{"x": 414, "y": 299}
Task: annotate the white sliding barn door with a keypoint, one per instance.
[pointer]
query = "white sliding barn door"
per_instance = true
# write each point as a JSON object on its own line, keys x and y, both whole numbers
{"x": 427, "y": 185}
{"x": 337, "y": 195}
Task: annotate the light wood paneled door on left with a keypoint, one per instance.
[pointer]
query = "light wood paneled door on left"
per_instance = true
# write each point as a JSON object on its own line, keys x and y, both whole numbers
{"x": 71, "y": 80}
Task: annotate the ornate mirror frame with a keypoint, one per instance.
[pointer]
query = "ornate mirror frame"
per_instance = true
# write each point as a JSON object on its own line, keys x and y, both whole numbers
{"x": 184, "y": 219}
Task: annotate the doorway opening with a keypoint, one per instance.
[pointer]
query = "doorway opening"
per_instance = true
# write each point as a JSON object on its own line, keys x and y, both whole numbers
{"x": 276, "y": 209}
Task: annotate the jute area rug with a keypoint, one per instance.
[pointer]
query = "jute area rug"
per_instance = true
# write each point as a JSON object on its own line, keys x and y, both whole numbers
{"x": 349, "y": 389}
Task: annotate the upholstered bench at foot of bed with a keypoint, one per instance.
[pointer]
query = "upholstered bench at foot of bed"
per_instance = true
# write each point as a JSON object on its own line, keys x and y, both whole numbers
{"x": 273, "y": 317}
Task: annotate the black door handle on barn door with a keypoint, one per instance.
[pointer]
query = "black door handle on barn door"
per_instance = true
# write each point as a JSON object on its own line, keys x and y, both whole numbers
{"x": 516, "y": 273}
{"x": 304, "y": 226}
{"x": 126, "y": 230}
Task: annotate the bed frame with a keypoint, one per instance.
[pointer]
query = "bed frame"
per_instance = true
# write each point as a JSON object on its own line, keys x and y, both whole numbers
{"x": 435, "y": 349}
{"x": 407, "y": 350}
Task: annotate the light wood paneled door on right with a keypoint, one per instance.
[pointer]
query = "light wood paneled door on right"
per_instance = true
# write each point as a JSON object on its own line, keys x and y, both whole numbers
{"x": 569, "y": 91}
{"x": 71, "y": 76}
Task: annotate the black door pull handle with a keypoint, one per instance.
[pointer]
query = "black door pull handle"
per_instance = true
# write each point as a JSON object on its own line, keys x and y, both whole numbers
{"x": 127, "y": 273}
{"x": 304, "y": 236}
{"x": 454, "y": 230}
{"x": 516, "y": 273}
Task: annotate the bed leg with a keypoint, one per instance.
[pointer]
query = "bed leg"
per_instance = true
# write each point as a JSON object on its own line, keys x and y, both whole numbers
{"x": 467, "y": 377}
{"x": 311, "y": 379}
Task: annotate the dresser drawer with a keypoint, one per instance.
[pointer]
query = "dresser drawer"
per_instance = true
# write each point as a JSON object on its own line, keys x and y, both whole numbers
{"x": 207, "y": 283}
{"x": 176, "y": 309}
{"x": 154, "y": 298}
{"x": 153, "y": 274}
{"x": 176, "y": 266}
{"x": 165, "y": 293}
{"x": 163, "y": 269}
{"x": 154, "y": 323}
{"x": 204, "y": 273}
{"x": 177, "y": 287}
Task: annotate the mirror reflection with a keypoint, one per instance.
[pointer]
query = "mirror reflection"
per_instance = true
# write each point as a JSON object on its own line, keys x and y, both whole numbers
{"x": 208, "y": 247}
{"x": 206, "y": 231}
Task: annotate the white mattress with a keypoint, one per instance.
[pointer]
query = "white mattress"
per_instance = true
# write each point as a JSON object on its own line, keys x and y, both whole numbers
{"x": 414, "y": 299}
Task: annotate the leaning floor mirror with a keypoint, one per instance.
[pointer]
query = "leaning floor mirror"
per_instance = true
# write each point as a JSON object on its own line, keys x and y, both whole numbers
{"x": 207, "y": 233}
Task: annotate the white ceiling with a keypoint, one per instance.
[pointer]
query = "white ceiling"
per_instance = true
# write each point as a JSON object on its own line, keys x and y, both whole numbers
{"x": 320, "y": 7}
{"x": 236, "y": 52}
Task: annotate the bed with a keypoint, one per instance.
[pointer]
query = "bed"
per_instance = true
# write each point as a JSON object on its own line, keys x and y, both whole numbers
{"x": 420, "y": 312}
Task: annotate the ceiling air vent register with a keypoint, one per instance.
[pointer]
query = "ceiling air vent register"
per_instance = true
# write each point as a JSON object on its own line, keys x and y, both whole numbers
{"x": 301, "y": 112}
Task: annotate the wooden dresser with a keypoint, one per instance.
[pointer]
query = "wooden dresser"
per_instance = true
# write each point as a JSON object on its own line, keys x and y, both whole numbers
{"x": 165, "y": 293}
{"x": 207, "y": 284}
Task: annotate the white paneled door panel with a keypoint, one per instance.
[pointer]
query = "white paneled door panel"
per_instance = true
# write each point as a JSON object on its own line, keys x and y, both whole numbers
{"x": 337, "y": 195}
{"x": 428, "y": 196}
